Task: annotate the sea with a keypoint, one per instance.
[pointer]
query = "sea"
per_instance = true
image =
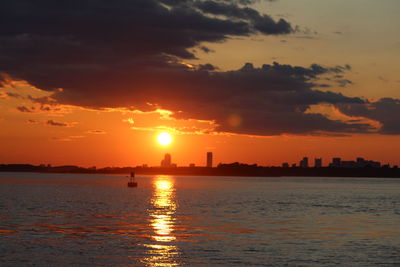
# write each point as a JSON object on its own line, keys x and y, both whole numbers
{"x": 97, "y": 220}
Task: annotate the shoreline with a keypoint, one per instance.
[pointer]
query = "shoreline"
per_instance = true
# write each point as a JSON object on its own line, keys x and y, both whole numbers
{"x": 243, "y": 171}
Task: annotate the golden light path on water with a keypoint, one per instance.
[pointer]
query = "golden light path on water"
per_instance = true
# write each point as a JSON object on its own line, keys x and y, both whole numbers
{"x": 162, "y": 220}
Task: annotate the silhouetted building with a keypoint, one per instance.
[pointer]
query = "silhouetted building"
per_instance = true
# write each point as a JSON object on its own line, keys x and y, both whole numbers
{"x": 192, "y": 165}
{"x": 318, "y": 163}
{"x": 166, "y": 162}
{"x": 209, "y": 159}
{"x": 294, "y": 165}
{"x": 336, "y": 162}
{"x": 285, "y": 165}
{"x": 348, "y": 164}
{"x": 359, "y": 163}
{"x": 304, "y": 163}
{"x": 373, "y": 164}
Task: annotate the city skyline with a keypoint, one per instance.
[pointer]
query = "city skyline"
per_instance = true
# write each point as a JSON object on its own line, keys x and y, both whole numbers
{"x": 336, "y": 162}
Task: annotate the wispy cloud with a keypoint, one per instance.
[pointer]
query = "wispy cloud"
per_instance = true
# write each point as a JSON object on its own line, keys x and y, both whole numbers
{"x": 32, "y": 121}
{"x": 26, "y": 109}
{"x": 68, "y": 138}
{"x": 59, "y": 124}
{"x": 96, "y": 132}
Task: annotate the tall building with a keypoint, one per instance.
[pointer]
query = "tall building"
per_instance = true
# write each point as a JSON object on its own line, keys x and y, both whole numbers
{"x": 304, "y": 163}
{"x": 166, "y": 162}
{"x": 336, "y": 162}
{"x": 209, "y": 159}
{"x": 318, "y": 163}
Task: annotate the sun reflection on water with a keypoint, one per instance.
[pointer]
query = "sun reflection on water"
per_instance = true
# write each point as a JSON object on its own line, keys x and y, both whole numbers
{"x": 162, "y": 220}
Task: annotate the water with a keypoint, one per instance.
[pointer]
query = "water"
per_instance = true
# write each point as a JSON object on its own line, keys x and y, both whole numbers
{"x": 76, "y": 219}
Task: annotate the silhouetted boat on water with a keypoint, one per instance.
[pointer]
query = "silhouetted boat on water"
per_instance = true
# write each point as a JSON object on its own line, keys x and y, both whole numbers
{"x": 132, "y": 182}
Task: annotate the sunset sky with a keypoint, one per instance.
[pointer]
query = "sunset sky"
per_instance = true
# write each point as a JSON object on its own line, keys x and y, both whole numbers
{"x": 93, "y": 83}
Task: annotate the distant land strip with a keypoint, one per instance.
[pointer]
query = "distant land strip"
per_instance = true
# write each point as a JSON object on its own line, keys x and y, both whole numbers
{"x": 233, "y": 169}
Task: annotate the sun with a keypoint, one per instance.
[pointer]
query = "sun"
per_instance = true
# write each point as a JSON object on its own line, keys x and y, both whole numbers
{"x": 164, "y": 139}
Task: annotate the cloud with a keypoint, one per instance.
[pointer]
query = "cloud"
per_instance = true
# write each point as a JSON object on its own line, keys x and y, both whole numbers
{"x": 55, "y": 123}
{"x": 205, "y": 49}
{"x": 73, "y": 41}
{"x": 68, "y": 138}
{"x": 14, "y": 95}
{"x": 261, "y": 23}
{"x": 32, "y": 121}
{"x": 103, "y": 54}
{"x": 96, "y": 132}
{"x": 42, "y": 109}
{"x": 269, "y": 100}
{"x": 26, "y": 109}
{"x": 129, "y": 120}
{"x": 3, "y": 95}
{"x": 344, "y": 82}
{"x": 384, "y": 110}
{"x": 44, "y": 100}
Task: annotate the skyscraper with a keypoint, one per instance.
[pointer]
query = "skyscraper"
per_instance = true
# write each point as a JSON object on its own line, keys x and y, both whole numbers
{"x": 318, "y": 163}
{"x": 209, "y": 159}
{"x": 166, "y": 162}
{"x": 304, "y": 163}
{"x": 336, "y": 162}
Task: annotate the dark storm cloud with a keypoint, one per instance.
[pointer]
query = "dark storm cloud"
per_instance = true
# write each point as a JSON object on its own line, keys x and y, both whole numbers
{"x": 269, "y": 100}
{"x": 385, "y": 110}
{"x": 51, "y": 44}
{"x": 126, "y": 53}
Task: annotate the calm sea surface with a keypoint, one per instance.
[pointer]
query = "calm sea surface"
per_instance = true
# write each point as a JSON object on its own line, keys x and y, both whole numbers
{"x": 75, "y": 219}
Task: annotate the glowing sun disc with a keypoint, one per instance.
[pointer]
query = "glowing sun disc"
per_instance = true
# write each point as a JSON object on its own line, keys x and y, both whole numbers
{"x": 164, "y": 139}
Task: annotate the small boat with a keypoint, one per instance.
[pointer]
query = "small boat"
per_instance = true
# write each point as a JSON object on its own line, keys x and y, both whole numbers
{"x": 132, "y": 182}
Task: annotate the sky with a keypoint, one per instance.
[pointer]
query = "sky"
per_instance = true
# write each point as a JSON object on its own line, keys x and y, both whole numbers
{"x": 93, "y": 83}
